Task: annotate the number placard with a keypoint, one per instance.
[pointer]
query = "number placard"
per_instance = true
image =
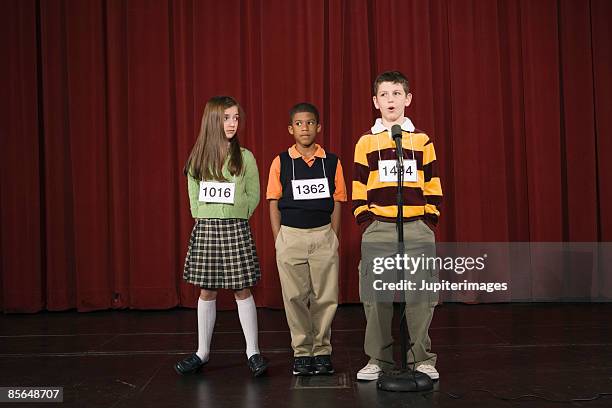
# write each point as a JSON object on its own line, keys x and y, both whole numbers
{"x": 310, "y": 189}
{"x": 217, "y": 192}
{"x": 387, "y": 170}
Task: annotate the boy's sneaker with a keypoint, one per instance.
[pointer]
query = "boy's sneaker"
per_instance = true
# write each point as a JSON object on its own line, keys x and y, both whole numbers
{"x": 429, "y": 370}
{"x": 323, "y": 365}
{"x": 369, "y": 373}
{"x": 303, "y": 366}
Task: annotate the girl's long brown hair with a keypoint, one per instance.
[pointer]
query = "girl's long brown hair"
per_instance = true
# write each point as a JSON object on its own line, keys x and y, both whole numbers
{"x": 205, "y": 162}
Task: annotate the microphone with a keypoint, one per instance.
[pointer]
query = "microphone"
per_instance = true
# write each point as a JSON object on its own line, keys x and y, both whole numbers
{"x": 396, "y": 134}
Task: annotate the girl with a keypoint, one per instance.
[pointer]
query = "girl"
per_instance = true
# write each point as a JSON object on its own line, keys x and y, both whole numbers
{"x": 223, "y": 184}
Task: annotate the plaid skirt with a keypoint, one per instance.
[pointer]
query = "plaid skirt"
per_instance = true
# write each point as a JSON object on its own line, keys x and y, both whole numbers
{"x": 221, "y": 255}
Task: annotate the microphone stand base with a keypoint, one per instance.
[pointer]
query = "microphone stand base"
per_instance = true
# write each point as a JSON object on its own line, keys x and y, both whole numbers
{"x": 404, "y": 381}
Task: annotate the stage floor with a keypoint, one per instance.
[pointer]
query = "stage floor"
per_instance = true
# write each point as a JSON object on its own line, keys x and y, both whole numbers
{"x": 125, "y": 359}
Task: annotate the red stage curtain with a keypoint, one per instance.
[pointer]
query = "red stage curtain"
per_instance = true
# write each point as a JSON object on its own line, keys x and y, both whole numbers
{"x": 103, "y": 101}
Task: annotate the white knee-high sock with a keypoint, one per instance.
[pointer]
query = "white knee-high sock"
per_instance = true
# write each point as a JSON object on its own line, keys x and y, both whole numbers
{"x": 247, "y": 312}
{"x": 207, "y": 313}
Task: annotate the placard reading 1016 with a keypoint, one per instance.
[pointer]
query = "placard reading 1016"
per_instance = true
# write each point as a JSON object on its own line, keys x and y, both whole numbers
{"x": 310, "y": 189}
{"x": 217, "y": 192}
{"x": 387, "y": 170}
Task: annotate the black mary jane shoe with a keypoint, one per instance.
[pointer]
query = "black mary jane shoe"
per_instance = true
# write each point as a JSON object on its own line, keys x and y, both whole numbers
{"x": 258, "y": 364}
{"x": 190, "y": 365}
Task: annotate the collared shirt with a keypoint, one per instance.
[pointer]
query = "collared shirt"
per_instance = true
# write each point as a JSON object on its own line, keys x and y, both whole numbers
{"x": 275, "y": 188}
{"x": 373, "y": 199}
{"x": 378, "y": 127}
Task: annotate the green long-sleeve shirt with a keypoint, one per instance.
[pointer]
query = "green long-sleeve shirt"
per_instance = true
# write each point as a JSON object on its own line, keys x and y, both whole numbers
{"x": 246, "y": 196}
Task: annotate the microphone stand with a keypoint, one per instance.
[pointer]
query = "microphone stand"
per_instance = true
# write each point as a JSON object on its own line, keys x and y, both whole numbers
{"x": 404, "y": 379}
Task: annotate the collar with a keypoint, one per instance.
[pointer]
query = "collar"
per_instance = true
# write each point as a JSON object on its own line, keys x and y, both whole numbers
{"x": 294, "y": 154}
{"x": 378, "y": 127}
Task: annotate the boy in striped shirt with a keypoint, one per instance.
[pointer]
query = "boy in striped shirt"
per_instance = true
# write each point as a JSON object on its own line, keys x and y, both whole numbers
{"x": 375, "y": 209}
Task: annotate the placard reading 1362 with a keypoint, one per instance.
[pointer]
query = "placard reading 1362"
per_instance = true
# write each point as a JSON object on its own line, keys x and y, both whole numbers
{"x": 387, "y": 170}
{"x": 217, "y": 192}
{"x": 310, "y": 189}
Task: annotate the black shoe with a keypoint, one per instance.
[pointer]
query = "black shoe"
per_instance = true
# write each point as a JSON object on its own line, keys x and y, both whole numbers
{"x": 323, "y": 365}
{"x": 189, "y": 365}
{"x": 303, "y": 366}
{"x": 258, "y": 364}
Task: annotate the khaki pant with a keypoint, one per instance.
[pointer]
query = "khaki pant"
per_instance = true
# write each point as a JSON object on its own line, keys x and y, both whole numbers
{"x": 307, "y": 261}
{"x": 378, "y": 344}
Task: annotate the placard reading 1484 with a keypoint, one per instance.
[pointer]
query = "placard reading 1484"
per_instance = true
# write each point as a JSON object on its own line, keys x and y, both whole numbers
{"x": 387, "y": 170}
{"x": 217, "y": 192}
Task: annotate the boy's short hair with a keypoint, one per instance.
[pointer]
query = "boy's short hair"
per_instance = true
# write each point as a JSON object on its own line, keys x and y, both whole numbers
{"x": 303, "y": 107}
{"x": 395, "y": 77}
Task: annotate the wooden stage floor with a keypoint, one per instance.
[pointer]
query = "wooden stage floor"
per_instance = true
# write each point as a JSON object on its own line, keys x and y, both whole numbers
{"x": 125, "y": 358}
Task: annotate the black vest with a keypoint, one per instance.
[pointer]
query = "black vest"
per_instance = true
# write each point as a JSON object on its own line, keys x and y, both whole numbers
{"x": 306, "y": 213}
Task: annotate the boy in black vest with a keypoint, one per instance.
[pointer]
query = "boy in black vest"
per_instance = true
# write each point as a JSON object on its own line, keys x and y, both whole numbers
{"x": 305, "y": 189}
